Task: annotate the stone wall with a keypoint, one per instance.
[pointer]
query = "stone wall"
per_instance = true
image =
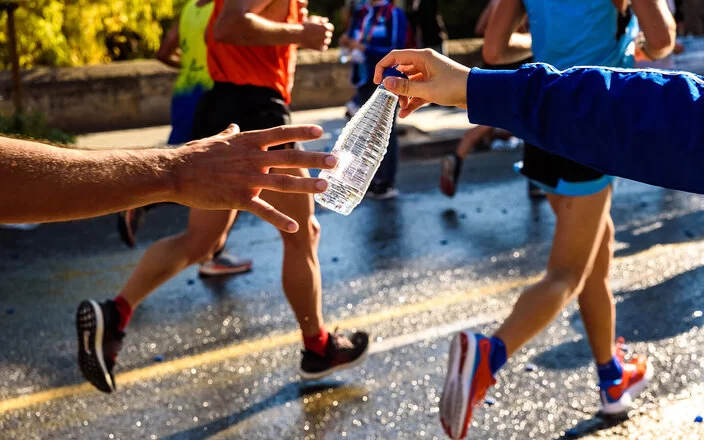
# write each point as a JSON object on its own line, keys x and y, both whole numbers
{"x": 136, "y": 94}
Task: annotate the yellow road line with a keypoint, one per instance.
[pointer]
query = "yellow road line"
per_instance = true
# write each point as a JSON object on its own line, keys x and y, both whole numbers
{"x": 243, "y": 348}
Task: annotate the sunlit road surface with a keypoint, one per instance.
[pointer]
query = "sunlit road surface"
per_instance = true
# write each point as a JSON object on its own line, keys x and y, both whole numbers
{"x": 218, "y": 359}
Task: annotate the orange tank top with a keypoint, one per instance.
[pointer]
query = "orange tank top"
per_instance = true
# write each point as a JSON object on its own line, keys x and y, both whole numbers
{"x": 264, "y": 66}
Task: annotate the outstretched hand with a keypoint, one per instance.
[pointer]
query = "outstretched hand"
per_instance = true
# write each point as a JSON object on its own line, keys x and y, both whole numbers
{"x": 432, "y": 78}
{"x": 229, "y": 170}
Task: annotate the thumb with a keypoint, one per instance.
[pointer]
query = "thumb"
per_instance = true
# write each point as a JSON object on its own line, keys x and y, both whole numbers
{"x": 406, "y": 87}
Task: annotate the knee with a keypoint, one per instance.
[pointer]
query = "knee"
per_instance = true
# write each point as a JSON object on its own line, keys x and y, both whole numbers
{"x": 308, "y": 233}
{"x": 566, "y": 283}
{"x": 200, "y": 249}
{"x": 314, "y": 228}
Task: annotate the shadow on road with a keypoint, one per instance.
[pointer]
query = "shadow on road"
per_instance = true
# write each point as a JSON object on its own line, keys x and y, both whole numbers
{"x": 654, "y": 313}
{"x": 289, "y": 393}
{"x": 591, "y": 426}
{"x": 688, "y": 227}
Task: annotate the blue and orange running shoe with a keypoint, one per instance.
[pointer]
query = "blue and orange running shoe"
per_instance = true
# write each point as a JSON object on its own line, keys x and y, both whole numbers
{"x": 468, "y": 379}
{"x": 617, "y": 396}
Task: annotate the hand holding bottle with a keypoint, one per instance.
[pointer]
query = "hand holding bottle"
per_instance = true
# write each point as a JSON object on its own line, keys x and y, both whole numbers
{"x": 359, "y": 150}
{"x": 431, "y": 78}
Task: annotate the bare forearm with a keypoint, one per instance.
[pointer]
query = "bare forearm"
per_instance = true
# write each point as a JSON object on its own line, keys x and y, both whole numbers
{"x": 41, "y": 183}
{"x": 517, "y": 49}
{"x": 502, "y": 45}
{"x": 658, "y": 26}
{"x": 252, "y": 30}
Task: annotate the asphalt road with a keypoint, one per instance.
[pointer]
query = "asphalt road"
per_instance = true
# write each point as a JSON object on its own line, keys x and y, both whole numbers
{"x": 218, "y": 358}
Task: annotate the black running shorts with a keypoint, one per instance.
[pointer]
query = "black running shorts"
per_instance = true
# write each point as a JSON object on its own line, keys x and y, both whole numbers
{"x": 552, "y": 173}
{"x": 557, "y": 175}
{"x": 250, "y": 107}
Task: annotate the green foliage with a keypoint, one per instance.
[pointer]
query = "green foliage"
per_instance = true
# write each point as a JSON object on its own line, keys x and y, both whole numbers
{"x": 33, "y": 126}
{"x": 77, "y": 32}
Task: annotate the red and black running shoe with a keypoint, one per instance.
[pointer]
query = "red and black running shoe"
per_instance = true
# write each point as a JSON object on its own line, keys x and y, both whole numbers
{"x": 99, "y": 341}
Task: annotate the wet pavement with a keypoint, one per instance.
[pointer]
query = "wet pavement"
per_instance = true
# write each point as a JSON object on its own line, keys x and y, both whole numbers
{"x": 218, "y": 358}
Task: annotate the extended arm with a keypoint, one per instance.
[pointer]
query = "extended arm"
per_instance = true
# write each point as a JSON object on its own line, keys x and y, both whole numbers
{"x": 638, "y": 124}
{"x": 245, "y": 23}
{"x": 42, "y": 183}
{"x": 641, "y": 125}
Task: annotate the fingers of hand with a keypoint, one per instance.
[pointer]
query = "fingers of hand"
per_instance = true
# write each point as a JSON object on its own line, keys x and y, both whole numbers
{"x": 284, "y": 134}
{"x": 413, "y": 105}
{"x": 409, "y": 70}
{"x": 400, "y": 86}
{"x": 403, "y": 101}
{"x": 269, "y": 214}
{"x": 297, "y": 159}
{"x": 286, "y": 183}
{"x": 319, "y": 19}
{"x": 411, "y": 57}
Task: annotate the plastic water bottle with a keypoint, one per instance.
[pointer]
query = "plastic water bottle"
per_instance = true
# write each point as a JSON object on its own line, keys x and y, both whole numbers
{"x": 359, "y": 151}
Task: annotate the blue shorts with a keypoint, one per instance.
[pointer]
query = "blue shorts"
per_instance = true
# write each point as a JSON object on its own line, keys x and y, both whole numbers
{"x": 557, "y": 175}
{"x": 183, "y": 108}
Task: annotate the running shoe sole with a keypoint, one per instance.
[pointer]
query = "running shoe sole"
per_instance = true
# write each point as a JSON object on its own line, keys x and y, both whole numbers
{"x": 625, "y": 403}
{"x": 454, "y": 403}
{"x": 90, "y": 327}
{"x": 329, "y": 371}
{"x": 212, "y": 272}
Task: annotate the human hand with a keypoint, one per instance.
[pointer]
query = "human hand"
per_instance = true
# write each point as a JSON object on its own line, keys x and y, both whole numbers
{"x": 229, "y": 170}
{"x": 432, "y": 78}
{"x": 317, "y": 33}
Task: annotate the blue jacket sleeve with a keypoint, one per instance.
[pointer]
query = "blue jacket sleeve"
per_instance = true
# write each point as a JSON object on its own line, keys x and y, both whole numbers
{"x": 641, "y": 125}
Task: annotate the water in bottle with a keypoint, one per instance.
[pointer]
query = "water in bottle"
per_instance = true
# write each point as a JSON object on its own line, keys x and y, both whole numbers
{"x": 359, "y": 151}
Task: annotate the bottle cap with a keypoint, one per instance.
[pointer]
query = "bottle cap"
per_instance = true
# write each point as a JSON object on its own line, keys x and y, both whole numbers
{"x": 390, "y": 71}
